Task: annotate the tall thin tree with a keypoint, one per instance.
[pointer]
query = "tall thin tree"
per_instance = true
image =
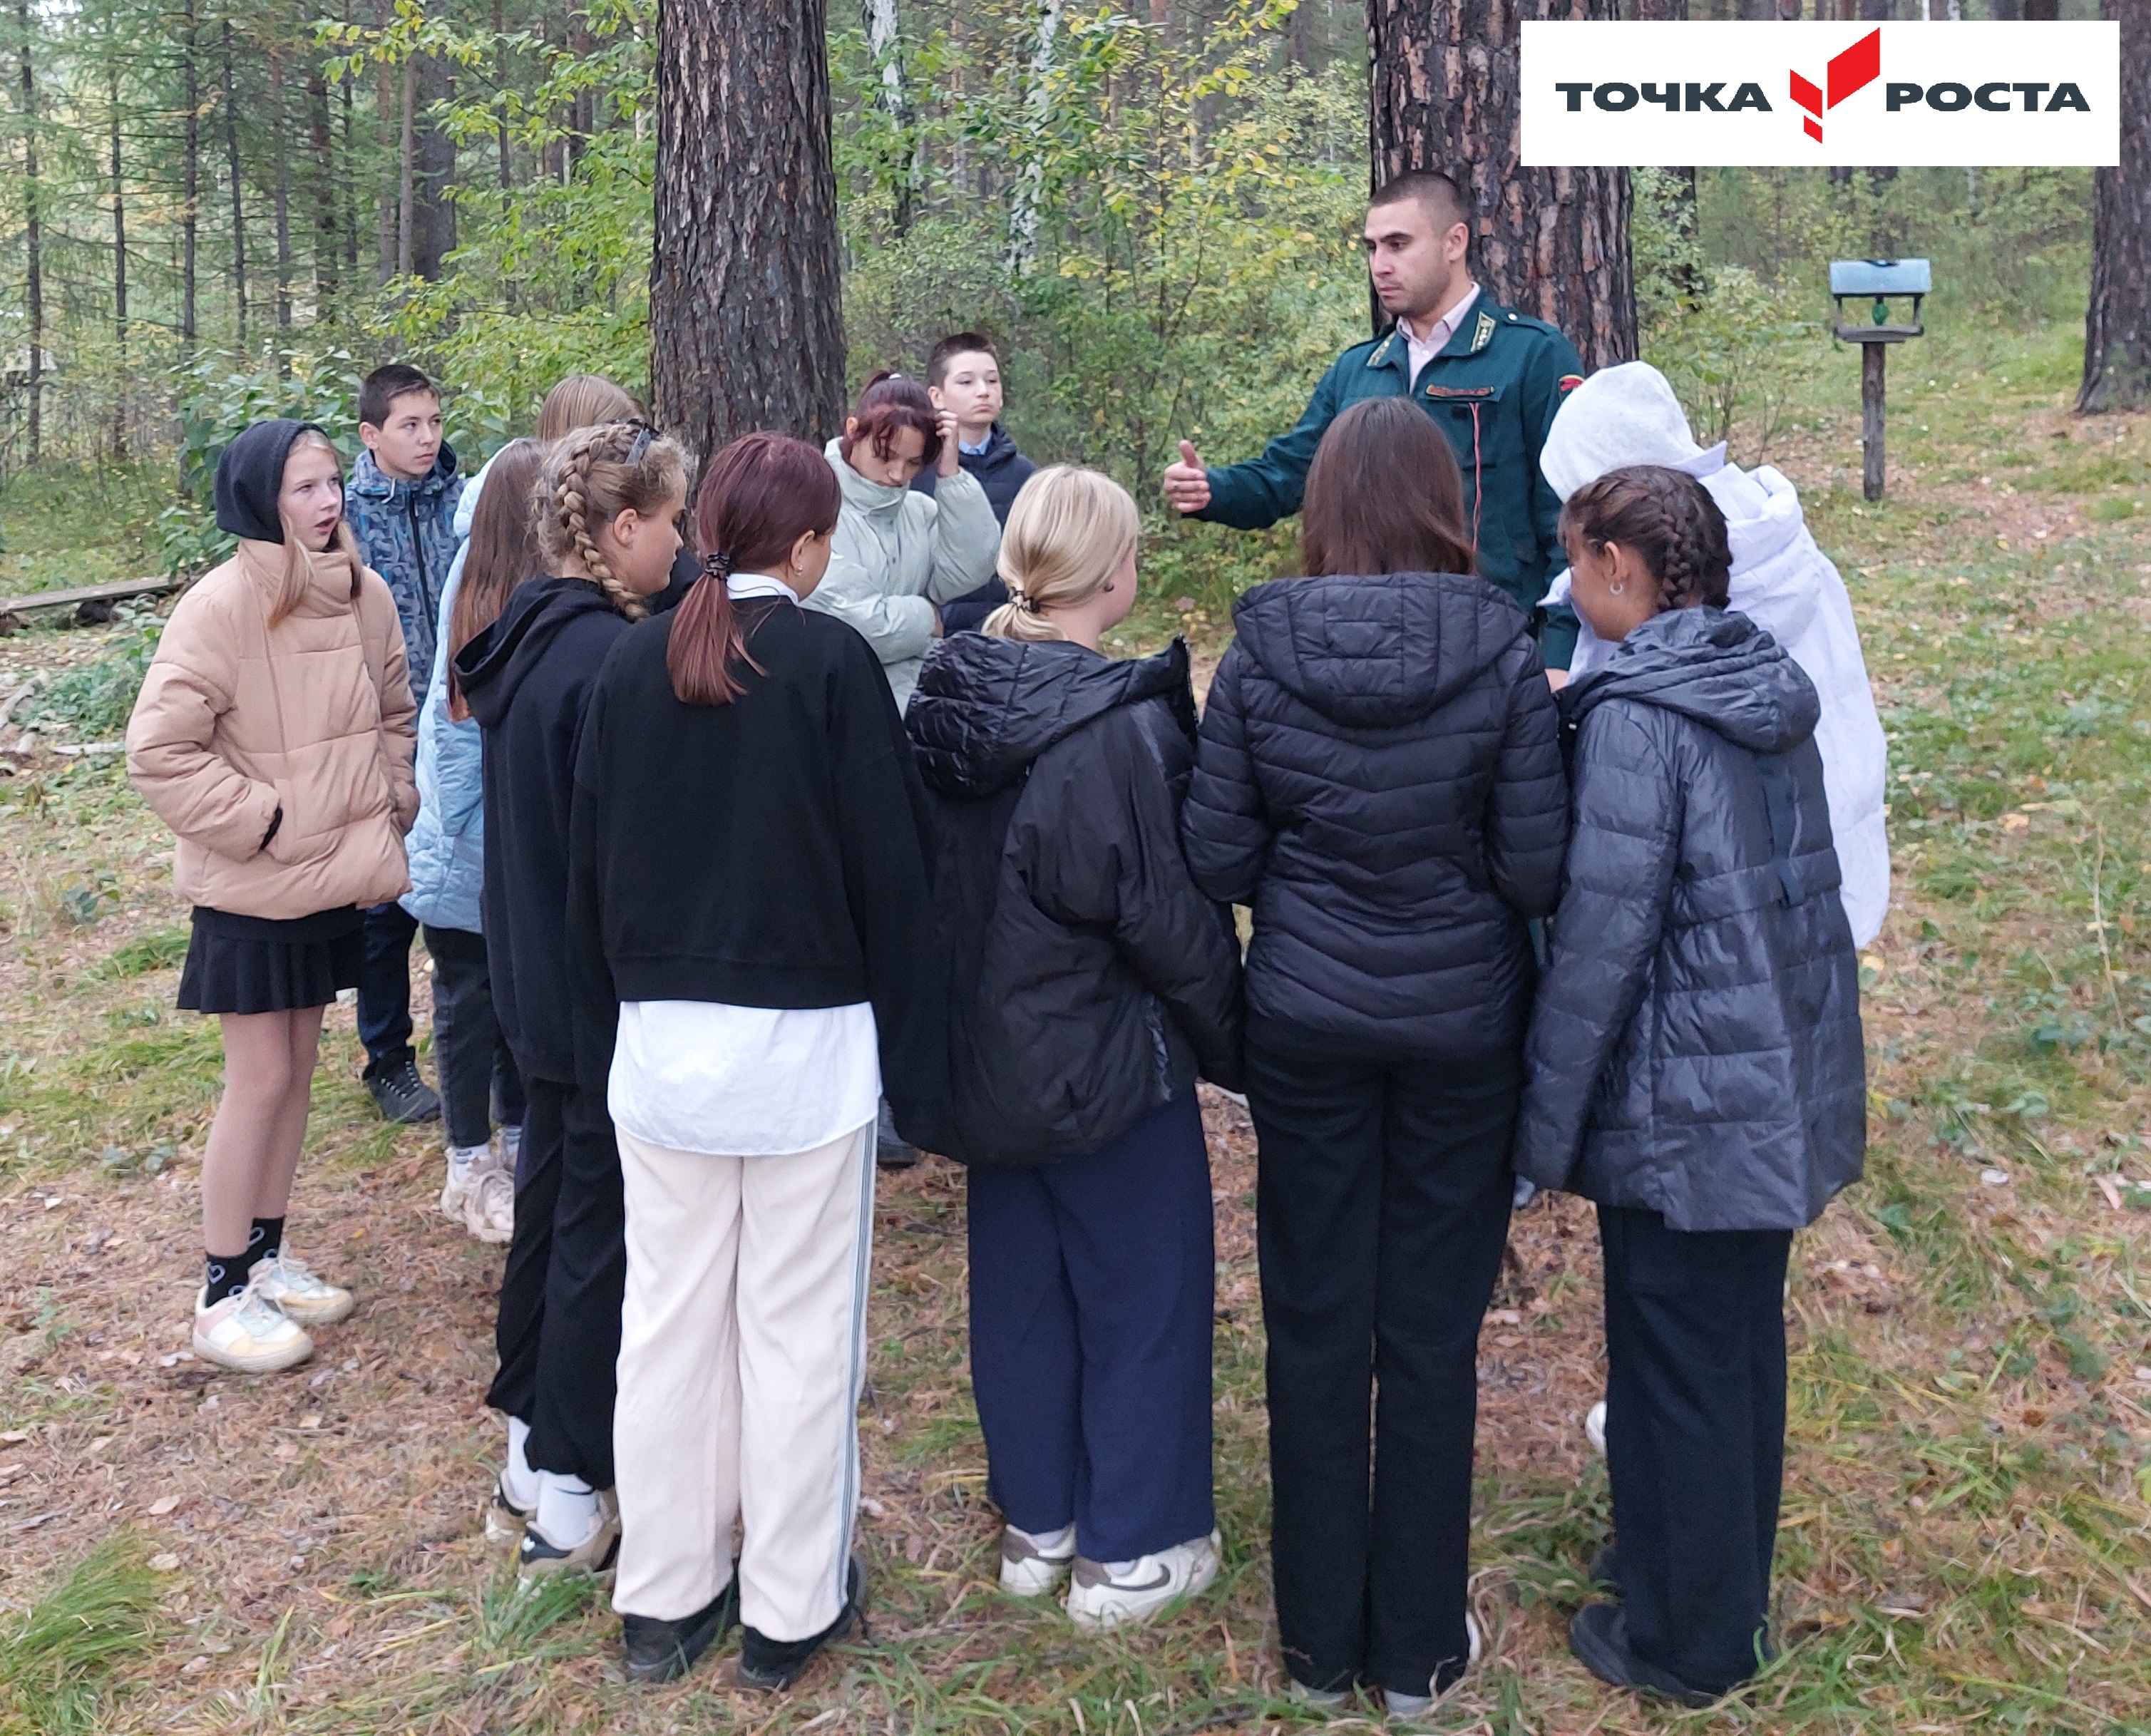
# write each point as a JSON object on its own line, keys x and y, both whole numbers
{"x": 885, "y": 40}
{"x": 279, "y": 119}
{"x": 2118, "y": 329}
{"x": 33, "y": 234}
{"x": 1038, "y": 111}
{"x": 327, "y": 229}
{"x": 746, "y": 312}
{"x": 191, "y": 176}
{"x": 1444, "y": 94}
{"x": 238, "y": 187}
{"x": 119, "y": 258}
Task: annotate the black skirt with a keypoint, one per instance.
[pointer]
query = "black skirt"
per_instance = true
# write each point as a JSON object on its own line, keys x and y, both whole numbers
{"x": 265, "y": 965}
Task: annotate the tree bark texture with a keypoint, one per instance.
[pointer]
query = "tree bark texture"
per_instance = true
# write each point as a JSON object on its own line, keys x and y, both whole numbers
{"x": 279, "y": 119}
{"x": 2118, "y": 330}
{"x": 407, "y": 167}
{"x": 190, "y": 177}
{"x": 238, "y": 188}
{"x": 32, "y": 237}
{"x": 432, "y": 212}
{"x": 745, "y": 319}
{"x": 119, "y": 262}
{"x": 324, "y": 190}
{"x": 885, "y": 39}
{"x": 1443, "y": 93}
{"x": 1038, "y": 107}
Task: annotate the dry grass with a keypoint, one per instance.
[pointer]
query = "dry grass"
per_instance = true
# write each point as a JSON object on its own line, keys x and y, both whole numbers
{"x": 1965, "y": 1542}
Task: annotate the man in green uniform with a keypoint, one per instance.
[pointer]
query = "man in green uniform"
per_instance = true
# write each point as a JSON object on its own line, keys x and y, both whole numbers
{"x": 1491, "y": 379}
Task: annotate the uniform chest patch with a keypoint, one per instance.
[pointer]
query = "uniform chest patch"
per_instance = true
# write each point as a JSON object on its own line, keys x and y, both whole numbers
{"x": 1483, "y": 333}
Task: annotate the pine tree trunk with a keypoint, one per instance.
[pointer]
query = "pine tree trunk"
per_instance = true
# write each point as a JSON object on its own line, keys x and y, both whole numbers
{"x": 745, "y": 319}
{"x": 348, "y": 183}
{"x": 191, "y": 180}
{"x": 2118, "y": 330}
{"x": 277, "y": 118}
{"x": 2041, "y": 12}
{"x": 1444, "y": 94}
{"x": 384, "y": 130}
{"x": 118, "y": 264}
{"x": 500, "y": 78}
{"x": 433, "y": 212}
{"x": 325, "y": 226}
{"x": 33, "y": 236}
{"x": 238, "y": 190}
{"x": 407, "y": 168}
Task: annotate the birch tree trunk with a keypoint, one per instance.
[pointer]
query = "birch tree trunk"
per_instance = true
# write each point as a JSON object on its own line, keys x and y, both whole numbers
{"x": 1038, "y": 106}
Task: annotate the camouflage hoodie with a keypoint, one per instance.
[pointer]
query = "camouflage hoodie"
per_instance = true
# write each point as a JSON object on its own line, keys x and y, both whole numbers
{"x": 406, "y": 532}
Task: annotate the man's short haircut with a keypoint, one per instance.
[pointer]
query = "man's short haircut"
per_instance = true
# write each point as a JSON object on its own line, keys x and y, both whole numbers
{"x": 1437, "y": 193}
{"x": 381, "y": 389}
{"x": 955, "y": 344}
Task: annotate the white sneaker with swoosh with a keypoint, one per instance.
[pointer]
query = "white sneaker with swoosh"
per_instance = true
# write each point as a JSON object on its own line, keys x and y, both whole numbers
{"x": 1109, "y": 1594}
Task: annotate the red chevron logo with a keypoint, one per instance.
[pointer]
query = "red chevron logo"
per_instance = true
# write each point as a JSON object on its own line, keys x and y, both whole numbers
{"x": 1853, "y": 70}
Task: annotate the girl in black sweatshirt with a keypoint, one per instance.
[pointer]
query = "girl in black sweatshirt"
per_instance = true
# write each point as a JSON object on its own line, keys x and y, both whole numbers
{"x": 752, "y": 949}
{"x": 608, "y": 509}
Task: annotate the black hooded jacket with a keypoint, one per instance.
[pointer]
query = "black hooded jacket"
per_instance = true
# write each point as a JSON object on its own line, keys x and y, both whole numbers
{"x": 1696, "y": 1047}
{"x": 528, "y": 679}
{"x": 1379, "y": 777}
{"x": 1092, "y": 980}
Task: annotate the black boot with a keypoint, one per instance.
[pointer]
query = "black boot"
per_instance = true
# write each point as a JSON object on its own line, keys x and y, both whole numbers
{"x": 655, "y": 1651}
{"x": 1599, "y": 1638}
{"x": 774, "y": 1665}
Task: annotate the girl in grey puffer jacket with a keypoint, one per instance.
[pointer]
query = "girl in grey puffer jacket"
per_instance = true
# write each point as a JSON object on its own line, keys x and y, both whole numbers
{"x": 1694, "y": 1064}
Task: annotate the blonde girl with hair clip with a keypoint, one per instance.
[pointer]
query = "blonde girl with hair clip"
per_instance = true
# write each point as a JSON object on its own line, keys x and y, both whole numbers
{"x": 273, "y": 734}
{"x": 607, "y": 510}
{"x": 1091, "y": 983}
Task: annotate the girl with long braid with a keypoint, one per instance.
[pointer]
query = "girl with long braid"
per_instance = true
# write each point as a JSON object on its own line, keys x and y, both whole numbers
{"x": 608, "y": 507}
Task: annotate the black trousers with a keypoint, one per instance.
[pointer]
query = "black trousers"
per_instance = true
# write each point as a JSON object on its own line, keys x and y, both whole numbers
{"x": 1695, "y": 1437}
{"x": 557, "y": 1334}
{"x": 478, "y": 1077}
{"x": 1382, "y": 1208}
{"x": 384, "y": 988}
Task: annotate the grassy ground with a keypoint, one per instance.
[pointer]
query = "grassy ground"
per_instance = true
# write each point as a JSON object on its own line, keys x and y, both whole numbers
{"x": 1965, "y": 1538}
{"x": 65, "y": 525}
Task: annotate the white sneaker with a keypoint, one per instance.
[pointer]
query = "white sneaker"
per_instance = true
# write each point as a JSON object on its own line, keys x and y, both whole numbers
{"x": 489, "y": 1204}
{"x": 461, "y": 1182}
{"x": 1107, "y": 1594}
{"x": 248, "y": 1332}
{"x": 539, "y": 1555}
{"x": 504, "y": 1522}
{"x": 1594, "y": 1427}
{"x": 1417, "y": 1705}
{"x": 1035, "y": 1562}
{"x": 303, "y": 1294}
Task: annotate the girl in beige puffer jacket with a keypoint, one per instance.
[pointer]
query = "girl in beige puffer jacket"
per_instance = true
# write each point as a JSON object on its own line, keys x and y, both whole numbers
{"x": 274, "y": 734}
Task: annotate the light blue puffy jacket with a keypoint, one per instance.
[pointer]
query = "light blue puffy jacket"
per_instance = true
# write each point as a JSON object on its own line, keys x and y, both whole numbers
{"x": 446, "y": 846}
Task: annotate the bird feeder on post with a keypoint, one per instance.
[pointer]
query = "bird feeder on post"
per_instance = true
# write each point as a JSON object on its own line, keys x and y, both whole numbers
{"x": 1880, "y": 281}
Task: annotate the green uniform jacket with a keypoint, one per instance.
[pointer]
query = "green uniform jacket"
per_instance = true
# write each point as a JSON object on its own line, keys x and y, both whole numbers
{"x": 1493, "y": 389}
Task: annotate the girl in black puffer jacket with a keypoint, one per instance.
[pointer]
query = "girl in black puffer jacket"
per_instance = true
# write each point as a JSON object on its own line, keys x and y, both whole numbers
{"x": 1093, "y": 983}
{"x": 1695, "y": 1062}
{"x": 1379, "y": 777}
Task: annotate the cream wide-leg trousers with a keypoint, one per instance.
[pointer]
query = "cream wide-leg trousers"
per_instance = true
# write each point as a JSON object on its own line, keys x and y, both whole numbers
{"x": 742, "y": 1353}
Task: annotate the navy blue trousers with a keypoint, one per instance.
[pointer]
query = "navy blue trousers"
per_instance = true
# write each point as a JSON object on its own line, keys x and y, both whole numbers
{"x": 384, "y": 988}
{"x": 1092, "y": 1284}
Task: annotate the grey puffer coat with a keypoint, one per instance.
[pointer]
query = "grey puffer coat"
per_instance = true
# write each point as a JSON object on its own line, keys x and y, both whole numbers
{"x": 1695, "y": 1047}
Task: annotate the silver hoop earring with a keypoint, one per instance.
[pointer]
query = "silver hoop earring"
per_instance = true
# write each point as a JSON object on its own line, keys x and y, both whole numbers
{"x": 1618, "y": 587}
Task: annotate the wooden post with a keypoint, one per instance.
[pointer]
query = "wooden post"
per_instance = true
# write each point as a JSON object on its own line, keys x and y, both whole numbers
{"x": 1873, "y": 358}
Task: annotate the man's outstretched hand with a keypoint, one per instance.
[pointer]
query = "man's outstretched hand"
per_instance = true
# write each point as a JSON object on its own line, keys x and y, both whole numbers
{"x": 1188, "y": 483}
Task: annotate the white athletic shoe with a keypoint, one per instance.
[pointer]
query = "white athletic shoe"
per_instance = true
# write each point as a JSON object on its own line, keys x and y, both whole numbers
{"x": 300, "y": 1291}
{"x": 1033, "y": 1563}
{"x": 248, "y": 1332}
{"x": 1108, "y": 1594}
{"x": 1594, "y": 1427}
{"x": 461, "y": 1181}
{"x": 504, "y": 1522}
{"x": 539, "y": 1555}
{"x": 489, "y": 1203}
{"x": 1417, "y": 1705}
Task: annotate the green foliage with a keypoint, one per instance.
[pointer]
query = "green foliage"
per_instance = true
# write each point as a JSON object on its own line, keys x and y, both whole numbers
{"x": 59, "y": 1659}
{"x": 94, "y": 699}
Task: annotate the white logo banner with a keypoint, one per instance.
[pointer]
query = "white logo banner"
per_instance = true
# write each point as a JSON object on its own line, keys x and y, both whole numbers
{"x": 2011, "y": 95}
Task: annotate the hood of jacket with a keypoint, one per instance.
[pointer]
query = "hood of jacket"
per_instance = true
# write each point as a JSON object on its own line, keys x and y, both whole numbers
{"x": 860, "y": 493}
{"x": 986, "y": 708}
{"x": 496, "y": 662}
{"x": 1713, "y": 665}
{"x": 1376, "y": 652}
{"x": 250, "y": 476}
{"x": 467, "y": 502}
{"x": 370, "y": 482}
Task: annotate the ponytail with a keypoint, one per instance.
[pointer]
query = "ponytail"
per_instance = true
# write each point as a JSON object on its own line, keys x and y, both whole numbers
{"x": 1067, "y": 534}
{"x": 759, "y": 496}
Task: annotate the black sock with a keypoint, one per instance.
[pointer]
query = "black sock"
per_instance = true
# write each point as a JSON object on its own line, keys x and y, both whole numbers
{"x": 225, "y": 1275}
{"x": 263, "y": 1242}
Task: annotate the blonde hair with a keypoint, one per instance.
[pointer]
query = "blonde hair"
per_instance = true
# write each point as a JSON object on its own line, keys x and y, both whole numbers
{"x": 298, "y": 561}
{"x": 591, "y": 476}
{"x": 581, "y": 400}
{"x": 1069, "y": 532}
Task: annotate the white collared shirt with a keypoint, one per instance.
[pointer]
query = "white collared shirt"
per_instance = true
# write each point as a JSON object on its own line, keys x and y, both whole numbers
{"x": 1420, "y": 351}
{"x": 699, "y": 1076}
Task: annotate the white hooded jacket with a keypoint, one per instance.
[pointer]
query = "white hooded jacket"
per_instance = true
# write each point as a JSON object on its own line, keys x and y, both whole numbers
{"x": 1781, "y": 579}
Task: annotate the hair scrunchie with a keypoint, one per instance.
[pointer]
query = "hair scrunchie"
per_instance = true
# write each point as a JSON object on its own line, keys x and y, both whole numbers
{"x": 718, "y": 564}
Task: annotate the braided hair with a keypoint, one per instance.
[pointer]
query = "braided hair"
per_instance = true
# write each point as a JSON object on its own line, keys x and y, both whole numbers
{"x": 1667, "y": 519}
{"x": 593, "y": 475}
